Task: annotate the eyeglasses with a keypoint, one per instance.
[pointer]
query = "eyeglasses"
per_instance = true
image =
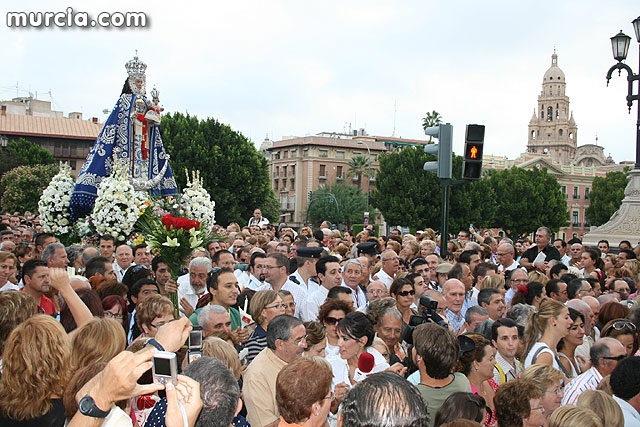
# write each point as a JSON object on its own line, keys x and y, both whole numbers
{"x": 271, "y": 267}
{"x": 406, "y": 293}
{"x": 621, "y": 324}
{"x": 331, "y": 320}
{"x": 616, "y": 358}
{"x": 112, "y": 315}
{"x": 300, "y": 340}
{"x": 158, "y": 325}
{"x": 558, "y": 390}
{"x": 282, "y": 306}
{"x": 538, "y": 408}
{"x": 331, "y": 397}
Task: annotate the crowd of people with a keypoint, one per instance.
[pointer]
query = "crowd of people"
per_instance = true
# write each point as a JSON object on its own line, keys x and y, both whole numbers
{"x": 316, "y": 327}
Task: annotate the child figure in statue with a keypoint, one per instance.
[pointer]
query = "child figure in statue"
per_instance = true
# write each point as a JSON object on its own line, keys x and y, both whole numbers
{"x": 130, "y": 134}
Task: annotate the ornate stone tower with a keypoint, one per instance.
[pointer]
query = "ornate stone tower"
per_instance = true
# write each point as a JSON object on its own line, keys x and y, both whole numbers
{"x": 553, "y": 131}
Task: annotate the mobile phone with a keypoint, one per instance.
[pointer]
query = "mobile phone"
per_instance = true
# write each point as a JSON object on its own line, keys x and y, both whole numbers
{"x": 195, "y": 338}
{"x": 165, "y": 367}
{"x": 243, "y": 355}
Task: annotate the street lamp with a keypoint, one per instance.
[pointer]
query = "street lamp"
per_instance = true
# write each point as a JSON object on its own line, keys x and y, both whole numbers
{"x": 368, "y": 170}
{"x": 620, "y": 46}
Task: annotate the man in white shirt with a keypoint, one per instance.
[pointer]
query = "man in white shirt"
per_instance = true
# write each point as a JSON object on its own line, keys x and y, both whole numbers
{"x": 605, "y": 355}
{"x": 190, "y": 293}
{"x": 306, "y": 271}
{"x": 258, "y": 219}
{"x": 7, "y": 268}
{"x": 505, "y": 255}
{"x": 124, "y": 260}
{"x": 277, "y": 265}
{"x": 625, "y": 384}
{"x": 390, "y": 266}
{"x": 561, "y": 246}
{"x": 257, "y": 272}
{"x": 330, "y": 275}
{"x": 351, "y": 274}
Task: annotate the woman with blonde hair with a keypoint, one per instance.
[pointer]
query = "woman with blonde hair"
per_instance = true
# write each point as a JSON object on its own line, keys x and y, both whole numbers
{"x": 550, "y": 380}
{"x": 316, "y": 339}
{"x": 494, "y": 281}
{"x": 427, "y": 247}
{"x": 572, "y": 416}
{"x": 545, "y": 328}
{"x": 604, "y": 407}
{"x": 411, "y": 250}
{"x": 264, "y": 306}
{"x": 98, "y": 340}
{"x": 536, "y": 276}
{"x": 223, "y": 351}
{"x": 35, "y": 372}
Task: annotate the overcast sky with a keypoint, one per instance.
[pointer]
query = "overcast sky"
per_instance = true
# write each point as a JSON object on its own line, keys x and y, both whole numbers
{"x": 299, "y": 68}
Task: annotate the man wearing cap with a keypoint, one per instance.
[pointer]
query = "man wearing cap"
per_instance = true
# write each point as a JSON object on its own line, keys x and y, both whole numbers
{"x": 390, "y": 265}
{"x": 330, "y": 275}
{"x": 369, "y": 250}
{"x": 442, "y": 272}
{"x": 306, "y": 271}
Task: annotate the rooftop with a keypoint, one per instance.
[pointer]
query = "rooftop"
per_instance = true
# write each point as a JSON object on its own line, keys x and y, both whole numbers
{"x": 12, "y": 124}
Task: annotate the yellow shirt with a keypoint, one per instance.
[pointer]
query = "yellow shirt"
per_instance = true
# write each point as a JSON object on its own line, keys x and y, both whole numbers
{"x": 259, "y": 388}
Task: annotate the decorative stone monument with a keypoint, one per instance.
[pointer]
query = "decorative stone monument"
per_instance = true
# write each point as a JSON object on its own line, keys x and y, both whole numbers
{"x": 625, "y": 222}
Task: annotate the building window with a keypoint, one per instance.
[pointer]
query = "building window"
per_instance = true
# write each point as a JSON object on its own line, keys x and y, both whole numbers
{"x": 374, "y": 158}
{"x": 561, "y": 132}
{"x": 339, "y": 172}
{"x": 356, "y": 153}
{"x": 557, "y": 111}
{"x": 564, "y": 190}
{"x": 284, "y": 171}
{"x": 575, "y": 219}
{"x": 72, "y": 164}
{"x": 292, "y": 203}
{"x": 339, "y": 154}
{"x": 576, "y": 192}
{"x": 323, "y": 153}
{"x": 586, "y": 193}
{"x": 322, "y": 171}
{"x": 283, "y": 202}
{"x": 285, "y": 154}
{"x": 292, "y": 171}
{"x": 533, "y": 134}
{"x": 549, "y": 113}
{"x": 294, "y": 153}
{"x": 276, "y": 155}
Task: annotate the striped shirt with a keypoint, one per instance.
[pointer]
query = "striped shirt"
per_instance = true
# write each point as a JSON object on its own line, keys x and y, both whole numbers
{"x": 586, "y": 381}
{"x": 257, "y": 342}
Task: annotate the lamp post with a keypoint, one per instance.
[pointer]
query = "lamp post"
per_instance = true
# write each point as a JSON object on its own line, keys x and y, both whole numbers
{"x": 624, "y": 224}
{"x": 368, "y": 170}
{"x": 620, "y": 46}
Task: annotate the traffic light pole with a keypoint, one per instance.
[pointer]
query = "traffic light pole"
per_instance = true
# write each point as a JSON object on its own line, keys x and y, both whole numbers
{"x": 446, "y": 184}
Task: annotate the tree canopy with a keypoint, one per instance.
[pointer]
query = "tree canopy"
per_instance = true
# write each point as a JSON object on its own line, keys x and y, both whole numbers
{"x": 22, "y": 187}
{"x": 431, "y": 119}
{"x": 358, "y": 167}
{"x": 407, "y": 195}
{"x": 349, "y": 209}
{"x": 234, "y": 172}
{"x": 605, "y": 196}
{"x": 527, "y": 199}
{"x": 23, "y": 152}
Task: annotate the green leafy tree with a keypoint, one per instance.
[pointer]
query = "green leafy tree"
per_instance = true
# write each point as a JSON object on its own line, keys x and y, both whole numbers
{"x": 431, "y": 119}
{"x": 349, "y": 209}
{"x": 407, "y": 195}
{"x": 234, "y": 172}
{"x": 23, "y": 186}
{"x": 527, "y": 199}
{"x": 605, "y": 196}
{"x": 23, "y": 152}
{"x": 358, "y": 167}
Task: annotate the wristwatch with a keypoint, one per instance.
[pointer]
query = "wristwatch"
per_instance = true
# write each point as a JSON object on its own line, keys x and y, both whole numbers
{"x": 87, "y": 406}
{"x": 153, "y": 342}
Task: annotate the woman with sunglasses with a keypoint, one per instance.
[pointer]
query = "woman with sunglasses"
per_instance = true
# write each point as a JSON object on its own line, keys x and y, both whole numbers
{"x": 404, "y": 292}
{"x": 330, "y": 313}
{"x": 625, "y": 332}
{"x": 264, "y": 306}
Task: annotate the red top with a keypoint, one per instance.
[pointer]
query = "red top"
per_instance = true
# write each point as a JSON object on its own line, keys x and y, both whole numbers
{"x": 46, "y": 305}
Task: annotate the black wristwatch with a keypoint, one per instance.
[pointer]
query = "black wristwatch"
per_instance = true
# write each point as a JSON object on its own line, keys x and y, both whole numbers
{"x": 87, "y": 406}
{"x": 153, "y": 342}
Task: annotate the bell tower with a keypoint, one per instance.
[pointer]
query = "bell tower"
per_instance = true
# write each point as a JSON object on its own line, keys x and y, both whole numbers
{"x": 552, "y": 130}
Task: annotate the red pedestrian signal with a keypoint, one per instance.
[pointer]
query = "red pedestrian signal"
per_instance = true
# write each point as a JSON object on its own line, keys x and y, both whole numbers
{"x": 473, "y": 144}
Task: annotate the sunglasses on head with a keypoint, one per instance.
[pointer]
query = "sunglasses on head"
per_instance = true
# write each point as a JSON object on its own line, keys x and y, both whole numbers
{"x": 621, "y": 324}
{"x": 331, "y": 320}
{"x": 616, "y": 358}
{"x": 406, "y": 293}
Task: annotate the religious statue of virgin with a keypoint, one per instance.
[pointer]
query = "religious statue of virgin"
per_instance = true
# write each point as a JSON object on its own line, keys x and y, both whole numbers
{"x": 130, "y": 136}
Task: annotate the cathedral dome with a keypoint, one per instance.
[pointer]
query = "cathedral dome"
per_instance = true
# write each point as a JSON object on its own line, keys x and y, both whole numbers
{"x": 554, "y": 73}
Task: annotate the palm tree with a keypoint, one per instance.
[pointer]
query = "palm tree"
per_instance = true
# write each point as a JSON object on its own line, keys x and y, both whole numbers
{"x": 358, "y": 166}
{"x": 431, "y": 119}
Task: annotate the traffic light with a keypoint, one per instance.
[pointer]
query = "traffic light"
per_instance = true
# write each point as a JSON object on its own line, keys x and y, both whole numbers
{"x": 442, "y": 167}
{"x": 310, "y": 195}
{"x": 473, "y": 144}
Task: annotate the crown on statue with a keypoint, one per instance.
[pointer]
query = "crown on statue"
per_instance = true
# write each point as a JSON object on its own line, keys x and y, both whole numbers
{"x": 135, "y": 67}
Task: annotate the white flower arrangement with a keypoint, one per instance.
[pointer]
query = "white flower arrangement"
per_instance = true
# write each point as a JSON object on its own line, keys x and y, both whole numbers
{"x": 117, "y": 207}
{"x": 53, "y": 205}
{"x": 197, "y": 202}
